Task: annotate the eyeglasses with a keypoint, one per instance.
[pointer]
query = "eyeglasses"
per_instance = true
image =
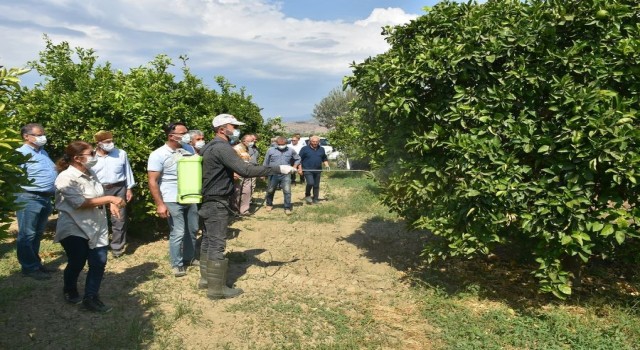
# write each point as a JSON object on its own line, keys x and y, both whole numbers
{"x": 93, "y": 153}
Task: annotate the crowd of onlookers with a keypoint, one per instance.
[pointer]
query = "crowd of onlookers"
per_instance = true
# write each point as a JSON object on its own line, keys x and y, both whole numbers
{"x": 92, "y": 183}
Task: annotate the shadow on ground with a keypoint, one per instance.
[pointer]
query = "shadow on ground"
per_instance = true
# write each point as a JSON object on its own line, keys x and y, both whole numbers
{"x": 502, "y": 276}
{"x": 239, "y": 263}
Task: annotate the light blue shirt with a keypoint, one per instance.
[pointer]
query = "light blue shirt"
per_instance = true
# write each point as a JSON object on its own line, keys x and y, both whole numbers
{"x": 165, "y": 161}
{"x": 275, "y": 157}
{"x": 114, "y": 167}
{"x": 40, "y": 170}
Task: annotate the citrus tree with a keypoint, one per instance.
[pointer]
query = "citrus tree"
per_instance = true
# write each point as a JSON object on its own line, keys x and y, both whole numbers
{"x": 11, "y": 173}
{"x": 511, "y": 121}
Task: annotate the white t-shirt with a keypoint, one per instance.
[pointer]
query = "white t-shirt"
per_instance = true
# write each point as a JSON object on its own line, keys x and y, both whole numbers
{"x": 165, "y": 161}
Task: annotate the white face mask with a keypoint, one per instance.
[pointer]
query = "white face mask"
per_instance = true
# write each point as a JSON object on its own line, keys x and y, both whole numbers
{"x": 40, "y": 140}
{"x": 199, "y": 144}
{"x": 282, "y": 147}
{"x": 186, "y": 138}
{"x": 251, "y": 144}
{"x": 107, "y": 147}
{"x": 91, "y": 161}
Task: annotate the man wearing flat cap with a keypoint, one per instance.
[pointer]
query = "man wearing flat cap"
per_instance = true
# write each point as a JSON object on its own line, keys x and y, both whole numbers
{"x": 220, "y": 162}
{"x": 114, "y": 172}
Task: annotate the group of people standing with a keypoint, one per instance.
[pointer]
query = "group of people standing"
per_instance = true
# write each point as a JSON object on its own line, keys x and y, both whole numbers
{"x": 87, "y": 182}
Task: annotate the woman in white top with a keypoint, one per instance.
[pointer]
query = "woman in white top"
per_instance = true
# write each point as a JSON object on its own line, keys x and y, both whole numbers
{"x": 82, "y": 223}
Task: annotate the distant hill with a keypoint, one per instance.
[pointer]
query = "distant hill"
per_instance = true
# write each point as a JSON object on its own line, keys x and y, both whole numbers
{"x": 305, "y": 128}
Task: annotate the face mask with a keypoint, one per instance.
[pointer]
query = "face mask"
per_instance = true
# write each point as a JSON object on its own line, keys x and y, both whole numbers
{"x": 233, "y": 136}
{"x": 200, "y": 144}
{"x": 282, "y": 147}
{"x": 107, "y": 147}
{"x": 91, "y": 161}
{"x": 186, "y": 138}
{"x": 40, "y": 140}
{"x": 251, "y": 144}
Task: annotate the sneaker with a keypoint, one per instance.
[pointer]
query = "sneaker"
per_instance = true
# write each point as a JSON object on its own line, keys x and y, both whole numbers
{"x": 72, "y": 297}
{"x": 308, "y": 199}
{"x": 179, "y": 271}
{"x": 194, "y": 262}
{"x": 95, "y": 305}
{"x": 287, "y": 211}
{"x": 36, "y": 274}
{"x": 316, "y": 201}
{"x": 47, "y": 270}
{"x": 269, "y": 208}
{"x": 117, "y": 253}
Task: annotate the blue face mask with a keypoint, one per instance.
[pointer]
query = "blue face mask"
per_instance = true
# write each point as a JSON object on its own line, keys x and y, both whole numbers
{"x": 234, "y": 136}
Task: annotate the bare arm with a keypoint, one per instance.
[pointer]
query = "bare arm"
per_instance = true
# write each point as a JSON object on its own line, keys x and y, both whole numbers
{"x": 154, "y": 188}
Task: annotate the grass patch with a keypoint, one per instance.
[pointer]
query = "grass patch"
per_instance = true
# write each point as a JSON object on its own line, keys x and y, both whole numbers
{"x": 295, "y": 321}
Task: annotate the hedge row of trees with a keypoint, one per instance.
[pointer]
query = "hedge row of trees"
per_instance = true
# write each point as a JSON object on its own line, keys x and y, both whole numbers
{"x": 509, "y": 122}
{"x": 79, "y": 97}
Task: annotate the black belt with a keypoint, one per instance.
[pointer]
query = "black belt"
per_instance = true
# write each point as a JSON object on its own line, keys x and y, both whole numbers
{"x": 117, "y": 184}
{"x": 41, "y": 194}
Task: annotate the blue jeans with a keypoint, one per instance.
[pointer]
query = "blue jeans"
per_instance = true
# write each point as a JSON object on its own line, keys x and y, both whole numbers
{"x": 285, "y": 184}
{"x": 183, "y": 225}
{"x": 32, "y": 220}
{"x": 313, "y": 182}
{"x": 78, "y": 254}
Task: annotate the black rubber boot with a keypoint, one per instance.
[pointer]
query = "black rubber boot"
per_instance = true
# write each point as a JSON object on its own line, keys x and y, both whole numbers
{"x": 202, "y": 283}
{"x": 216, "y": 280}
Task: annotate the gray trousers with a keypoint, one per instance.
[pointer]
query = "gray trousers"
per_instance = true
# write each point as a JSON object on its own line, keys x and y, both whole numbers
{"x": 118, "y": 225}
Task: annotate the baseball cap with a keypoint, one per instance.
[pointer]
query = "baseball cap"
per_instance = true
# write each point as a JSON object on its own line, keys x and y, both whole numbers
{"x": 222, "y": 119}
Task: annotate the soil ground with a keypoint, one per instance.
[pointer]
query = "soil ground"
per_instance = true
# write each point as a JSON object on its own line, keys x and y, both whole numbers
{"x": 337, "y": 284}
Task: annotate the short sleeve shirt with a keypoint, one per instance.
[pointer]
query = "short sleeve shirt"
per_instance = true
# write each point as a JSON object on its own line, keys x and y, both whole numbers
{"x": 73, "y": 188}
{"x": 165, "y": 161}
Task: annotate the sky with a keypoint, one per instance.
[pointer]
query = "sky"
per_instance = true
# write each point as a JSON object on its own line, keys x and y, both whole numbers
{"x": 287, "y": 54}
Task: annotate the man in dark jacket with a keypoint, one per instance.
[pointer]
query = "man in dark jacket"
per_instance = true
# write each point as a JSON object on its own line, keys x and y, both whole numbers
{"x": 220, "y": 161}
{"x": 312, "y": 158}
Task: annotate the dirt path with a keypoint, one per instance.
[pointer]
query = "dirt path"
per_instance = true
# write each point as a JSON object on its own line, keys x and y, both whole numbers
{"x": 329, "y": 285}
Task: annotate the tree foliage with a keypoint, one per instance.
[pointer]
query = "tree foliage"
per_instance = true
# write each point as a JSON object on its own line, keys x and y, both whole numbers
{"x": 79, "y": 97}
{"x": 11, "y": 173}
{"x": 511, "y": 121}
{"x": 333, "y": 106}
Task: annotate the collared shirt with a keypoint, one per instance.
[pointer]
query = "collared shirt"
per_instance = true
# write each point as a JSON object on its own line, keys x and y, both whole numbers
{"x": 312, "y": 158}
{"x": 73, "y": 188}
{"x": 276, "y": 156}
{"x": 254, "y": 153}
{"x": 114, "y": 167}
{"x": 165, "y": 161}
{"x": 39, "y": 168}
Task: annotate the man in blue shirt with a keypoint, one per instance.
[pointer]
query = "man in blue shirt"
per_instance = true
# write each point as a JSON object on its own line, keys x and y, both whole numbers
{"x": 114, "y": 173}
{"x": 312, "y": 157}
{"x": 35, "y": 201}
{"x": 281, "y": 154}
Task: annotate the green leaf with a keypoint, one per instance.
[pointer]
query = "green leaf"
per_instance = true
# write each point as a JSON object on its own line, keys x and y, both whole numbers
{"x": 620, "y": 237}
{"x": 543, "y": 149}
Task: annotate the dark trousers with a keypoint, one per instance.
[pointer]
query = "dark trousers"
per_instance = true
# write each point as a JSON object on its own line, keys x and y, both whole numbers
{"x": 216, "y": 222}
{"x": 313, "y": 182}
{"x": 78, "y": 254}
{"x": 118, "y": 225}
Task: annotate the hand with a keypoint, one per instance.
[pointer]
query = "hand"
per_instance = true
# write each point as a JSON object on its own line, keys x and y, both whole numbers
{"x": 163, "y": 211}
{"x": 287, "y": 169}
{"x": 129, "y": 195}
{"x": 327, "y": 168}
{"x": 115, "y": 211}
{"x": 118, "y": 202}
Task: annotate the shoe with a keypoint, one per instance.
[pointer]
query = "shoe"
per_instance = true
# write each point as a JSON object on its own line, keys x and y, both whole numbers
{"x": 269, "y": 208}
{"x": 287, "y": 211}
{"x": 37, "y": 275}
{"x": 72, "y": 297}
{"x": 179, "y": 271}
{"x": 316, "y": 201}
{"x": 216, "y": 281}
{"x": 194, "y": 262}
{"x": 95, "y": 305}
{"x": 308, "y": 199}
{"x": 117, "y": 253}
{"x": 47, "y": 270}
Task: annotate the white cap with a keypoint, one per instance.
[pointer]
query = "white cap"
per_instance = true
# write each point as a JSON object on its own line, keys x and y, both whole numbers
{"x": 222, "y": 119}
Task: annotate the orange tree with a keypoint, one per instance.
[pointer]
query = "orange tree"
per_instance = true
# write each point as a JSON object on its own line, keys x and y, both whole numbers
{"x": 510, "y": 121}
{"x": 78, "y": 97}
